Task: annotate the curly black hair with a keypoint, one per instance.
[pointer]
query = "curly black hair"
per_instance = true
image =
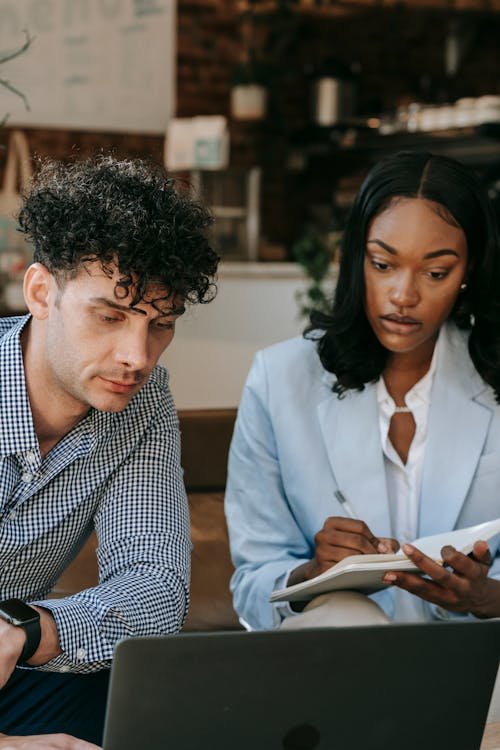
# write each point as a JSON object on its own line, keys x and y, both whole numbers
{"x": 347, "y": 345}
{"x": 128, "y": 214}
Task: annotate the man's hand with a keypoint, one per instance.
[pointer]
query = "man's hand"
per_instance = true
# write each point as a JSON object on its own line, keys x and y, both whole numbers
{"x": 339, "y": 538}
{"x": 461, "y": 584}
{"x": 45, "y": 742}
{"x": 13, "y": 638}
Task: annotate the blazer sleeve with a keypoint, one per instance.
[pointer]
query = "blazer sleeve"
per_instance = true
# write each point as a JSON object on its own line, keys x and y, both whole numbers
{"x": 266, "y": 541}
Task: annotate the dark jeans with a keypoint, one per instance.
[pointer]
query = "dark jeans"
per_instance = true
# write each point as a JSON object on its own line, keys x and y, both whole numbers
{"x": 34, "y": 702}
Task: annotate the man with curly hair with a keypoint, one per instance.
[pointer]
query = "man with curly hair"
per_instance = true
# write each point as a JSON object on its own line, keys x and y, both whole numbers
{"x": 89, "y": 436}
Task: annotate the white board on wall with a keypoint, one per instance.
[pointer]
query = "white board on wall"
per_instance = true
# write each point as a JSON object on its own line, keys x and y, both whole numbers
{"x": 92, "y": 65}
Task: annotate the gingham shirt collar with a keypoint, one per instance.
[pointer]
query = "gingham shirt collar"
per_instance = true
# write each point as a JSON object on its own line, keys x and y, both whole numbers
{"x": 18, "y": 432}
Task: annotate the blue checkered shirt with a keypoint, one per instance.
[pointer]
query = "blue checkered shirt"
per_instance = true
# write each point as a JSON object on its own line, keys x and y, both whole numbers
{"x": 116, "y": 472}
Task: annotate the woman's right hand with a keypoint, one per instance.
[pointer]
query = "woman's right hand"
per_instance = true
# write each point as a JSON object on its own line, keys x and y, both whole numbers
{"x": 339, "y": 538}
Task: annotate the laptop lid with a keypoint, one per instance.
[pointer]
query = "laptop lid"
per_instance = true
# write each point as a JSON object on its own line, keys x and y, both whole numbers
{"x": 416, "y": 686}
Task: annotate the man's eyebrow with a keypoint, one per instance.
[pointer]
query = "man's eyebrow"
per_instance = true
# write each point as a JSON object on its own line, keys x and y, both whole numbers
{"x": 125, "y": 308}
{"x": 116, "y": 306}
{"x": 427, "y": 256}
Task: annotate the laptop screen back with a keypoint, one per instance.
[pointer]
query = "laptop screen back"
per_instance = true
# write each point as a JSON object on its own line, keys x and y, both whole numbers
{"x": 416, "y": 686}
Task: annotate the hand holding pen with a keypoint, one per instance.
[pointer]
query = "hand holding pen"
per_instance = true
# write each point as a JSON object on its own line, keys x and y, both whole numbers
{"x": 340, "y": 537}
{"x": 383, "y": 545}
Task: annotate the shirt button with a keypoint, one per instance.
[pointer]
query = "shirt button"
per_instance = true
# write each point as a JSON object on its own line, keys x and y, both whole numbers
{"x": 64, "y": 668}
{"x": 81, "y": 654}
{"x": 27, "y": 477}
{"x": 30, "y": 457}
{"x": 12, "y": 516}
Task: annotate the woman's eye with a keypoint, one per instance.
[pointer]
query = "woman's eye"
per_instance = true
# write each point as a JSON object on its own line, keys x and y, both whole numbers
{"x": 438, "y": 275}
{"x": 379, "y": 265}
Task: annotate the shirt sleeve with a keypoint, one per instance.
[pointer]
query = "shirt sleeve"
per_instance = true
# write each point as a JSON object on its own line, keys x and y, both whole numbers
{"x": 142, "y": 524}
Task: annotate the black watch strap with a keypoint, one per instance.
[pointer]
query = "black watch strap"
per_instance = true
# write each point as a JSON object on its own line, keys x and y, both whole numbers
{"x": 21, "y": 615}
{"x": 33, "y": 636}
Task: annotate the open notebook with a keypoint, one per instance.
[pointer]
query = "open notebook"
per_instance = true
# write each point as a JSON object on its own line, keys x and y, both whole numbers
{"x": 364, "y": 572}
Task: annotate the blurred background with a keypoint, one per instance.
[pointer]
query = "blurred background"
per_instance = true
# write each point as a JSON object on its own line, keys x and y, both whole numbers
{"x": 273, "y": 111}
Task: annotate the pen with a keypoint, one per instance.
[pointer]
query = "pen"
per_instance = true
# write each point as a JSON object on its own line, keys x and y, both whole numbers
{"x": 345, "y": 504}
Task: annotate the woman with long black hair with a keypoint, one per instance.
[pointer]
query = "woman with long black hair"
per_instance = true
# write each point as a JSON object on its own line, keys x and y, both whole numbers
{"x": 392, "y": 400}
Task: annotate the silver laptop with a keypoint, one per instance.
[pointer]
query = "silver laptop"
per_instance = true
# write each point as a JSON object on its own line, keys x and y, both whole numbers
{"x": 369, "y": 688}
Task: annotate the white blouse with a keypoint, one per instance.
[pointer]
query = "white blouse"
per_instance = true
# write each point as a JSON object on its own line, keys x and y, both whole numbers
{"x": 404, "y": 481}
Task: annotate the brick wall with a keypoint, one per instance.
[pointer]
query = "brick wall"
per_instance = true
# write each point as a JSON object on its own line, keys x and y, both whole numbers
{"x": 395, "y": 49}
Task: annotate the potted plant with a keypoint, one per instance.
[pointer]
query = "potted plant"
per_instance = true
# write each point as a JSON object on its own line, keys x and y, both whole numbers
{"x": 250, "y": 77}
{"x": 315, "y": 251}
{"x": 249, "y": 90}
{"x": 265, "y": 38}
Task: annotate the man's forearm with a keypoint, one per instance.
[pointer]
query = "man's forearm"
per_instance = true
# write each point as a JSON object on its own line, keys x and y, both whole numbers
{"x": 45, "y": 742}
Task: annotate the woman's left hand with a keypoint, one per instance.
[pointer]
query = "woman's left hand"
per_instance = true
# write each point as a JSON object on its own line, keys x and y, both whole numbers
{"x": 461, "y": 584}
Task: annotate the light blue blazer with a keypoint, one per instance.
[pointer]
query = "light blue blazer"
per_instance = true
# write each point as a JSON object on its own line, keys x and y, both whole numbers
{"x": 296, "y": 442}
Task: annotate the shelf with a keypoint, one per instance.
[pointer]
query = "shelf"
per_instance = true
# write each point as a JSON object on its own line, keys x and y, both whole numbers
{"x": 335, "y": 8}
{"x": 477, "y": 145}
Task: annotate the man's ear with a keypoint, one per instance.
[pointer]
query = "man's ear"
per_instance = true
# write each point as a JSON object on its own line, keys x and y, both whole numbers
{"x": 38, "y": 287}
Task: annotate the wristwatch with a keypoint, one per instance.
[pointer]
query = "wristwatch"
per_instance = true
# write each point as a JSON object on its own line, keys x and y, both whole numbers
{"x": 17, "y": 613}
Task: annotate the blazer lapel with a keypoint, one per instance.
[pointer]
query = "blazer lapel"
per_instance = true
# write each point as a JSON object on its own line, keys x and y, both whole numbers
{"x": 457, "y": 429}
{"x": 351, "y": 433}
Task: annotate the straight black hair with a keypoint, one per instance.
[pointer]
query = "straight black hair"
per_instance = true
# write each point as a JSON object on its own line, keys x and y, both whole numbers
{"x": 347, "y": 345}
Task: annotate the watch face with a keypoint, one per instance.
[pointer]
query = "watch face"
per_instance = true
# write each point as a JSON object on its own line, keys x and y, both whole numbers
{"x": 17, "y": 612}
